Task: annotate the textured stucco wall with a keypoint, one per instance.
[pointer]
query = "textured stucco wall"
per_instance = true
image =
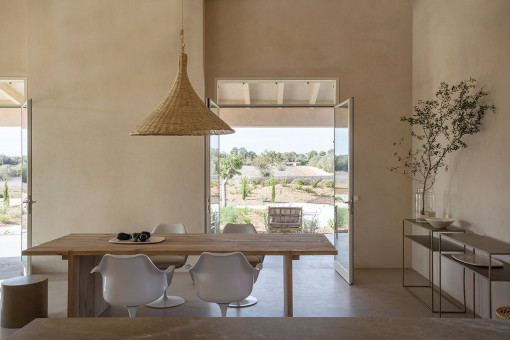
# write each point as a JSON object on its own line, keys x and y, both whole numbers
{"x": 96, "y": 69}
{"x": 452, "y": 41}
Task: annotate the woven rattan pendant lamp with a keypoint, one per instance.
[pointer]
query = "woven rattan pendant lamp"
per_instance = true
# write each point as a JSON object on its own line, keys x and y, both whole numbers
{"x": 182, "y": 112}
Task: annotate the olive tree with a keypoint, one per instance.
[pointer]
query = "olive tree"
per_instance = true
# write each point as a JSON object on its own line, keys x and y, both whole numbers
{"x": 229, "y": 167}
{"x": 440, "y": 127}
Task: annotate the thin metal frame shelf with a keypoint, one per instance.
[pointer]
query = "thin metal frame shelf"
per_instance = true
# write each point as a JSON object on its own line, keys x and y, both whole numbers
{"x": 486, "y": 245}
{"x": 432, "y": 243}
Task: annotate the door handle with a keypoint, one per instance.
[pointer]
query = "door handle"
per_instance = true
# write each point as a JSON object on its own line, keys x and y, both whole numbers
{"x": 29, "y": 203}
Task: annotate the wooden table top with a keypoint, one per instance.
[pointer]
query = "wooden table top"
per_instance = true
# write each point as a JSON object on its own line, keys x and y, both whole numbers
{"x": 263, "y": 328}
{"x": 189, "y": 244}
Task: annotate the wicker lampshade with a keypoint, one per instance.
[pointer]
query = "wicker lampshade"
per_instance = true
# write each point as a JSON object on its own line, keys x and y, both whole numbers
{"x": 182, "y": 112}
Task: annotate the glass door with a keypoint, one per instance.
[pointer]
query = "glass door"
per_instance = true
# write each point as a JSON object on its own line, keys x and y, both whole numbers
{"x": 213, "y": 177}
{"x": 343, "y": 192}
{"x": 26, "y": 183}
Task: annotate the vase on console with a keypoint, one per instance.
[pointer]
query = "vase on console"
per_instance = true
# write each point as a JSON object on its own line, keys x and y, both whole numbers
{"x": 425, "y": 205}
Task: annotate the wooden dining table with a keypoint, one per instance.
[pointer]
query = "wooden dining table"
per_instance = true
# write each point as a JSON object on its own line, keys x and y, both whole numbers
{"x": 84, "y": 251}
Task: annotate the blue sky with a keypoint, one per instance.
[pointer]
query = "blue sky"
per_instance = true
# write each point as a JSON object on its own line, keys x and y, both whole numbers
{"x": 299, "y": 140}
{"x": 10, "y": 141}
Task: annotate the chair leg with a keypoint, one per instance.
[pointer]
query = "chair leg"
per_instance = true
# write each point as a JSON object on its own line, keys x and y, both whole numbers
{"x": 223, "y": 308}
{"x": 249, "y": 301}
{"x": 166, "y": 301}
{"x": 132, "y": 311}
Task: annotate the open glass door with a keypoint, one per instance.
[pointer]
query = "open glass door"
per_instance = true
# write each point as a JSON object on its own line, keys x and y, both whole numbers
{"x": 343, "y": 147}
{"x": 26, "y": 183}
{"x": 213, "y": 177}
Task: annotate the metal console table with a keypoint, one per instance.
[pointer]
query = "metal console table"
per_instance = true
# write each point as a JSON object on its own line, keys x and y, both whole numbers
{"x": 483, "y": 244}
{"x": 431, "y": 243}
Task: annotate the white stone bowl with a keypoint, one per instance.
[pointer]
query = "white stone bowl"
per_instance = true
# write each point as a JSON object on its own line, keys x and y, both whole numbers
{"x": 439, "y": 223}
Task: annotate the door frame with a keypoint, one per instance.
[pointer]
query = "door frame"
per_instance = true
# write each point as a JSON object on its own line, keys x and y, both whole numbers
{"x": 27, "y": 104}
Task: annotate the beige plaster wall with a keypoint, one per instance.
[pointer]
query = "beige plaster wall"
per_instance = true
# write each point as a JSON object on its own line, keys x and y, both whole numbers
{"x": 452, "y": 41}
{"x": 96, "y": 69}
{"x": 13, "y": 38}
{"x": 367, "y": 44}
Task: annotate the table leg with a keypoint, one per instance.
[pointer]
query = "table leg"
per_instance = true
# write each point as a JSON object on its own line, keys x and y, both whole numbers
{"x": 85, "y": 290}
{"x": 287, "y": 285}
{"x": 70, "y": 285}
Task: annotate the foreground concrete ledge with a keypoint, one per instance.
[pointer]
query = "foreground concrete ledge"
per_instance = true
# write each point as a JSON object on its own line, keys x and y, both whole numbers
{"x": 264, "y": 328}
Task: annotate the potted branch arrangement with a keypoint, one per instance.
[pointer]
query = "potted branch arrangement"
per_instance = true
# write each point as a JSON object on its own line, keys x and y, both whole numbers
{"x": 438, "y": 128}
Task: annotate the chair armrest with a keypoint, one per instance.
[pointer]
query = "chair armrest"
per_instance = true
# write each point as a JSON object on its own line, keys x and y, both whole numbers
{"x": 169, "y": 272}
{"x": 96, "y": 269}
{"x": 256, "y": 271}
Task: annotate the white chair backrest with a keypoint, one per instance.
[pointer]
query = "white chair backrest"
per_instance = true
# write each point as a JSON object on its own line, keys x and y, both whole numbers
{"x": 163, "y": 228}
{"x": 231, "y": 228}
{"x": 223, "y": 278}
{"x": 130, "y": 280}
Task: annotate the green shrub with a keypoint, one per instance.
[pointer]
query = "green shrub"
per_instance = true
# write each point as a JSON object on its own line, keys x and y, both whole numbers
{"x": 273, "y": 191}
{"x": 267, "y": 182}
{"x": 214, "y": 184}
{"x": 297, "y": 186}
{"x": 301, "y": 181}
{"x": 6, "y": 194}
{"x": 229, "y": 215}
{"x": 331, "y": 224}
{"x": 283, "y": 182}
{"x": 311, "y": 225}
{"x": 282, "y": 167}
{"x": 263, "y": 198}
{"x": 342, "y": 216}
{"x": 314, "y": 183}
{"x": 254, "y": 181}
{"x": 330, "y": 183}
{"x": 309, "y": 190}
{"x": 234, "y": 215}
{"x": 244, "y": 188}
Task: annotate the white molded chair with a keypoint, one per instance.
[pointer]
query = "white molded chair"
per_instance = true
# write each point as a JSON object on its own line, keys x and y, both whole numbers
{"x": 223, "y": 278}
{"x": 248, "y": 228}
{"x": 132, "y": 280}
{"x": 163, "y": 261}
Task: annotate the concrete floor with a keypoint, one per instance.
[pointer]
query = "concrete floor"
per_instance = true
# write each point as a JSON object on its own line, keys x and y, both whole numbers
{"x": 318, "y": 292}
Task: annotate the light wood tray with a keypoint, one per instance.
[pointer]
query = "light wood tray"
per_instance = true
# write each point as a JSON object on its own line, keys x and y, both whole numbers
{"x": 153, "y": 239}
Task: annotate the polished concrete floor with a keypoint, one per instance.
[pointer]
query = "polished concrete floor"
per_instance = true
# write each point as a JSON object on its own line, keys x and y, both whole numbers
{"x": 318, "y": 292}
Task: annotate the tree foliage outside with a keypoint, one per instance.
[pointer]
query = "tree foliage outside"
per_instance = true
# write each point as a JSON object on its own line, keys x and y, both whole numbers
{"x": 262, "y": 165}
{"x": 229, "y": 167}
{"x": 342, "y": 163}
{"x": 440, "y": 127}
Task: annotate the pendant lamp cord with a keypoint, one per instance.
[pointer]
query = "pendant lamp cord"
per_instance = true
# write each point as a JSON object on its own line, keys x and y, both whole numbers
{"x": 182, "y": 27}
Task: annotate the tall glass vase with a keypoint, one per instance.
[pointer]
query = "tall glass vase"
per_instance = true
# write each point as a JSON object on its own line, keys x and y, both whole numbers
{"x": 425, "y": 205}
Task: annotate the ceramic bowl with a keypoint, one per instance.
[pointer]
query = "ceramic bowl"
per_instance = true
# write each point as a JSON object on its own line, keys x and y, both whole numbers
{"x": 439, "y": 223}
